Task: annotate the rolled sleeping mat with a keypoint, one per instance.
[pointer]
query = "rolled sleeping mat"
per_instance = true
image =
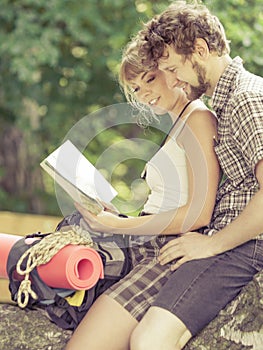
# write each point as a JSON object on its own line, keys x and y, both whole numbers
{"x": 72, "y": 267}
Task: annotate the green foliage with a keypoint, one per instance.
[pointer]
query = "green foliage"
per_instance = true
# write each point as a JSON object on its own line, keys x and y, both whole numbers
{"x": 59, "y": 61}
{"x": 243, "y": 22}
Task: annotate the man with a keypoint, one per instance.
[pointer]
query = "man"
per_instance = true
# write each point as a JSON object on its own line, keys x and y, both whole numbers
{"x": 189, "y": 44}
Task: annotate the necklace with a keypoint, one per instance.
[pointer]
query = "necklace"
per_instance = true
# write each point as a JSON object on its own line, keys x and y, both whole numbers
{"x": 174, "y": 124}
{"x": 143, "y": 176}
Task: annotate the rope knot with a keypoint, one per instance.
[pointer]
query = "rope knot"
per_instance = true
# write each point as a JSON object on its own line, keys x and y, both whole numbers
{"x": 42, "y": 252}
{"x": 23, "y": 293}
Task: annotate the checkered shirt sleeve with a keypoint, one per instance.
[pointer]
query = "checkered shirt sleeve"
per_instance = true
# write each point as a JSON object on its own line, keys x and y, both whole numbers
{"x": 238, "y": 103}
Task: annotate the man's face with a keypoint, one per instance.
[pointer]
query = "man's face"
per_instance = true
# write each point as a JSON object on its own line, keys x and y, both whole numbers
{"x": 186, "y": 74}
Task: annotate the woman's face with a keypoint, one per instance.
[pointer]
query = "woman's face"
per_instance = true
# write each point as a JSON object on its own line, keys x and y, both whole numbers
{"x": 151, "y": 88}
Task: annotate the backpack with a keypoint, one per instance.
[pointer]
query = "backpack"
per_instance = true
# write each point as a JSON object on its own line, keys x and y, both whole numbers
{"x": 113, "y": 250}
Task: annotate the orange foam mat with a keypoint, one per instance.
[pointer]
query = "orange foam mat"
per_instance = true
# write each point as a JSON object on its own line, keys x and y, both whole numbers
{"x": 73, "y": 267}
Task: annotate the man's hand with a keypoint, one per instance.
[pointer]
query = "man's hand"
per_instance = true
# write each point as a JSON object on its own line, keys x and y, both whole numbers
{"x": 186, "y": 247}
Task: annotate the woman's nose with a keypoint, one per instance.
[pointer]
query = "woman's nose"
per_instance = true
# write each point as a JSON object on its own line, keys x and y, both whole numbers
{"x": 144, "y": 93}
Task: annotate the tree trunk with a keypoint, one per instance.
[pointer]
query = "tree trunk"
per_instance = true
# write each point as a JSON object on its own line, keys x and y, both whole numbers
{"x": 20, "y": 176}
{"x": 238, "y": 327}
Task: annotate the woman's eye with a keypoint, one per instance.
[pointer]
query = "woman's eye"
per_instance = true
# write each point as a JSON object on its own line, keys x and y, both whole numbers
{"x": 134, "y": 90}
{"x": 150, "y": 79}
{"x": 172, "y": 70}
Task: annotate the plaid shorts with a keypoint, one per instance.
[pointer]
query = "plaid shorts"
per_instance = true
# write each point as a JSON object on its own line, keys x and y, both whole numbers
{"x": 139, "y": 288}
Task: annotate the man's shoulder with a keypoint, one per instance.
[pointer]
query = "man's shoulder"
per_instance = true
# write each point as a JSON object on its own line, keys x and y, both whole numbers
{"x": 246, "y": 89}
{"x": 248, "y": 83}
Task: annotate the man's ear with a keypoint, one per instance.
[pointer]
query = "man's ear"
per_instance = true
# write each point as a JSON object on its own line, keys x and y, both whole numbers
{"x": 201, "y": 49}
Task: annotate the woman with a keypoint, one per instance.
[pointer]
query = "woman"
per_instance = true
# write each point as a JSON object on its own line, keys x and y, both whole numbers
{"x": 179, "y": 176}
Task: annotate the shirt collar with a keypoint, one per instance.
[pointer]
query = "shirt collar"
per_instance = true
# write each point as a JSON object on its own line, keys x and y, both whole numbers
{"x": 226, "y": 83}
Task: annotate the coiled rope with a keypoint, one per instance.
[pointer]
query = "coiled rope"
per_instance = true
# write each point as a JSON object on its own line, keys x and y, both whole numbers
{"x": 42, "y": 252}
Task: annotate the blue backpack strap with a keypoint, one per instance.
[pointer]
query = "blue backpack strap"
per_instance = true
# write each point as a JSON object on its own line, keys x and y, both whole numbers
{"x": 67, "y": 316}
{"x": 70, "y": 220}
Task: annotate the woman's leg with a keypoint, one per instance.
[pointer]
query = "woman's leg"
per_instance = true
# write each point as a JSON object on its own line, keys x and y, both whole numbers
{"x": 107, "y": 325}
{"x": 114, "y": 315}
{"x": 158, "y": 330}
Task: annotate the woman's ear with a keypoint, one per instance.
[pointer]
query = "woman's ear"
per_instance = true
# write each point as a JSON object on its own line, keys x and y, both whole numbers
{"x": 201, "y": 49}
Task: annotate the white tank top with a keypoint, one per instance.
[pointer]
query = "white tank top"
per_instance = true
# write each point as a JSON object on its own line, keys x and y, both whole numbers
{"x": 166, "y": 175}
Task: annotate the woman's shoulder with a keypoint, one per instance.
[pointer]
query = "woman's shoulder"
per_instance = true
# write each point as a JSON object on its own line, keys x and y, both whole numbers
{"x": 199, "y": 109}
{"x": 200, "y": 119}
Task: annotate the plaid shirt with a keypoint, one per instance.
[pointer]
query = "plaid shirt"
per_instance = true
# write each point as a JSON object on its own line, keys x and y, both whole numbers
{"x": 238, "y": 103}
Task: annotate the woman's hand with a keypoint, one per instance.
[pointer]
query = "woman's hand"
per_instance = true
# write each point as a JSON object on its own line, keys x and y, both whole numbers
{"x": 105, "y": 221}
{"x": 186, "y": 247}
{"x": 110, "y": 207}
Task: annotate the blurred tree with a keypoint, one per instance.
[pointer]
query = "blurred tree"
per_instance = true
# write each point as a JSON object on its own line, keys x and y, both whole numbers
{"x": 243, "y": 22}
{"x": 59, "y": 61}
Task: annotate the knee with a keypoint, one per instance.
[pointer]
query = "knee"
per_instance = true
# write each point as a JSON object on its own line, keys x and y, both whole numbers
{"x": 139, "y": 340}
{"x": 144, "y": 338}
{"x": 144, "y": 341}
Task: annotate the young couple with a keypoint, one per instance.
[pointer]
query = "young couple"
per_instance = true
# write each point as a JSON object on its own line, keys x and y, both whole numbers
{"x": 182, "y": 278}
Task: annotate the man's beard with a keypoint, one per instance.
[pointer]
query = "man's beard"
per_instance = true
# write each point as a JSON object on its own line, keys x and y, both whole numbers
{"x": 197, "y": 91}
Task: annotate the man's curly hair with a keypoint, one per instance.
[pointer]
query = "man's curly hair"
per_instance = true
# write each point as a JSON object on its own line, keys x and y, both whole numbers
{"x": 180, "y": 25}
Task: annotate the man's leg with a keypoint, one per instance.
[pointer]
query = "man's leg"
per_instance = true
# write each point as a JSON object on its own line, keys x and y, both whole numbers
{"x": 159, "y": 329}
{"x": 194, "y": 295}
